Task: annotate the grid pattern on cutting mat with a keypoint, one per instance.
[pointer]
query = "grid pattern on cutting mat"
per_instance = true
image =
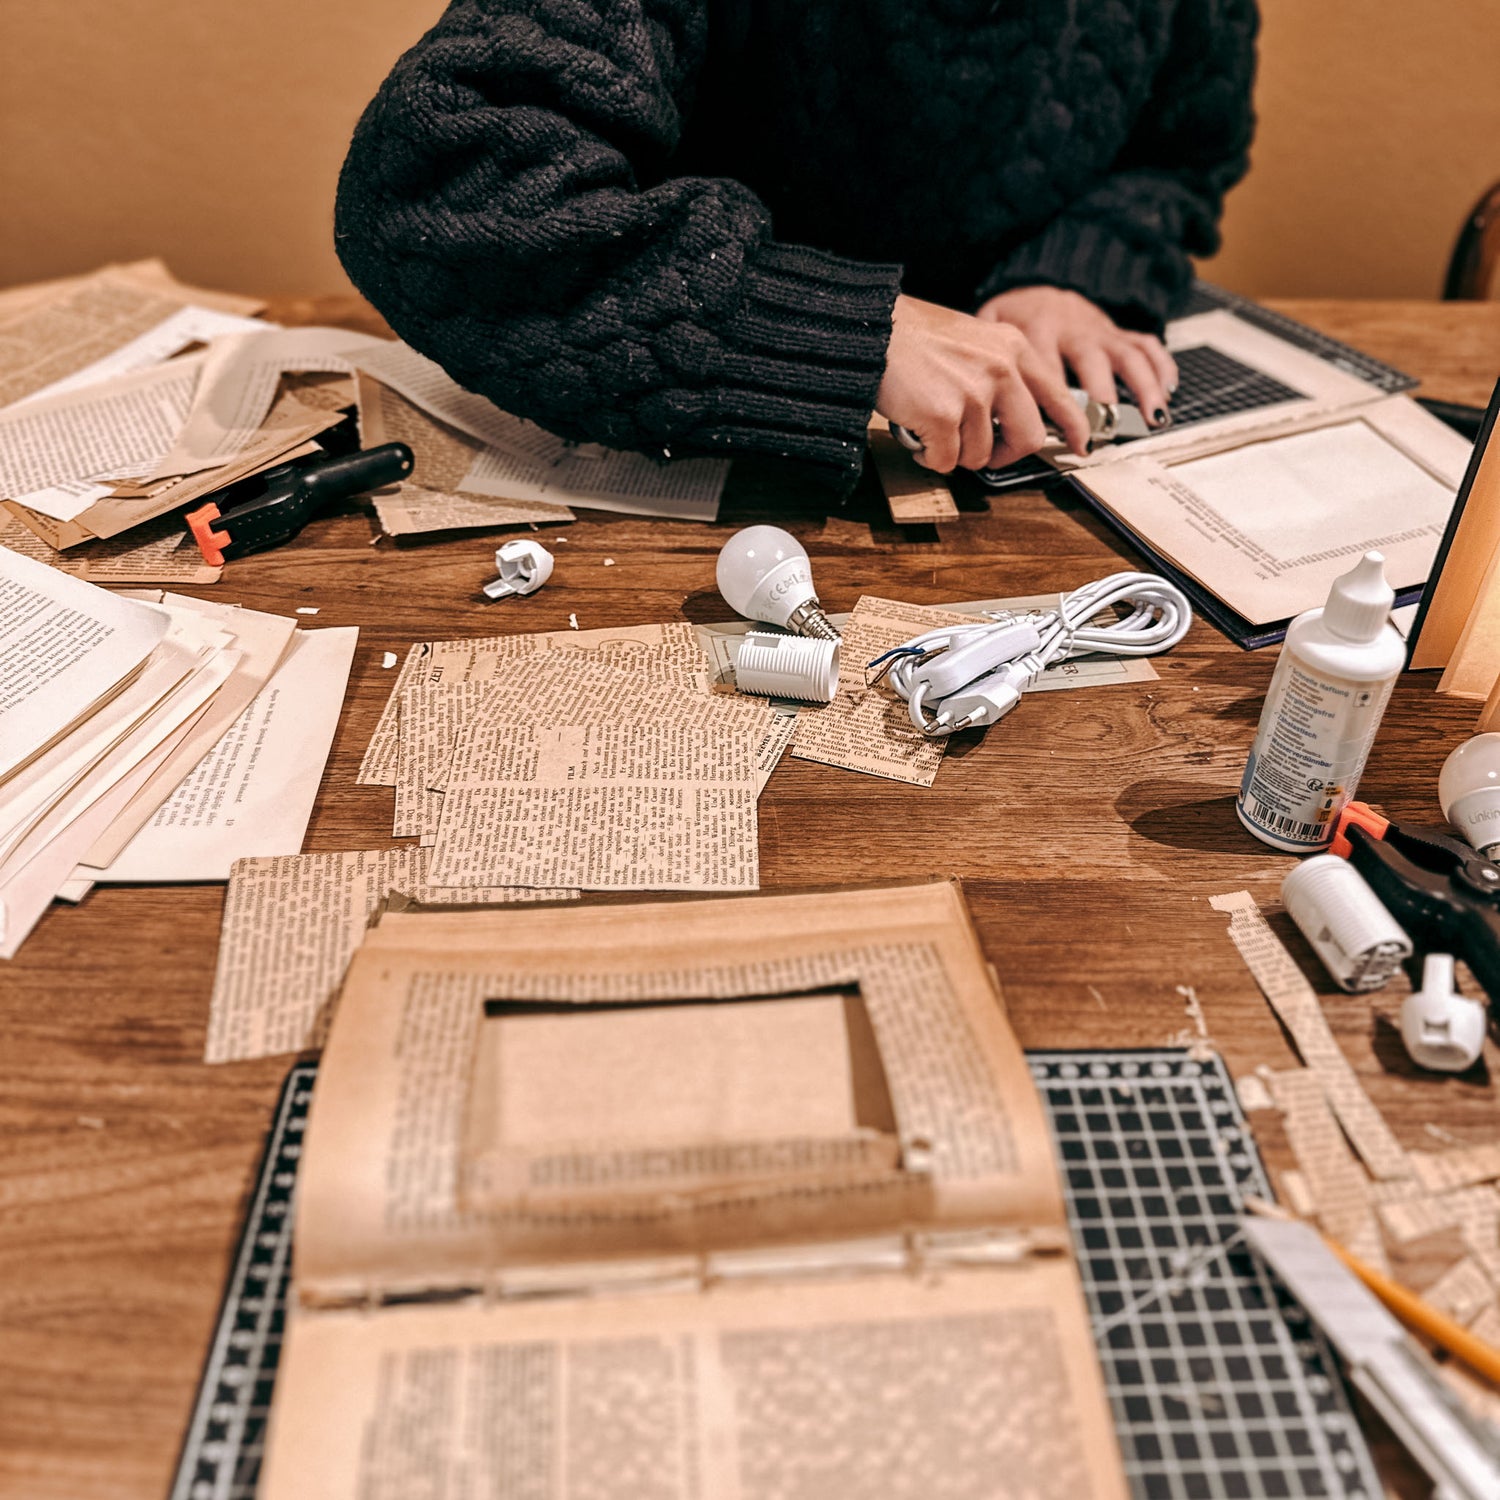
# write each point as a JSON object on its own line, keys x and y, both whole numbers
{"x": 1221, "y": 1388}
{"x": 1213, "y": 384}
{"x": 226, "y": 1435}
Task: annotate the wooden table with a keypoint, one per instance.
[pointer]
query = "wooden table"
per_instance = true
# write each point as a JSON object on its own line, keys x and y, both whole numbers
{"x": 1090, "y": 831}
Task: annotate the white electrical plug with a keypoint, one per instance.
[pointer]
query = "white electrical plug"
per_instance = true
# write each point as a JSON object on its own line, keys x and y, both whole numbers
{"x": 524, "y": 567}
{"x": 1442, "y": 1029}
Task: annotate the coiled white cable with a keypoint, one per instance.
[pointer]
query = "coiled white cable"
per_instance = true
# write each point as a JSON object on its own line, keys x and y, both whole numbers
{"x": 966, "y": 676}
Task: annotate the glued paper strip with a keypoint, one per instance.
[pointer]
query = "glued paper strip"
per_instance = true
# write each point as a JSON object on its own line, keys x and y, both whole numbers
{"x": 1294, "y": 1001}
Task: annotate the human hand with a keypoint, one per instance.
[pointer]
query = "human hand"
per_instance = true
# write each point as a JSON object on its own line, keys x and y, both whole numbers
{"x": 949, "y": 378}
{"x": 1063, "y": 326}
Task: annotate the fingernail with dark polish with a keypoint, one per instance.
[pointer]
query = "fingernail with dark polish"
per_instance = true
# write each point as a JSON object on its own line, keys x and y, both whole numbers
{"x": 1159, "y": 416}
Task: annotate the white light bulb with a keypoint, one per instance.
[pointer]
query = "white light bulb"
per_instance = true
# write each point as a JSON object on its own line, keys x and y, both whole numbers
{"x": 764, "y": 574}
{"x": 1469, "y": 791}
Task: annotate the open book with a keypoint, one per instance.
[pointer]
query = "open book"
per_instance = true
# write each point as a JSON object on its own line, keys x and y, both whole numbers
{"x": 1280, "y": 472}
{"x": 705, "y": 1200}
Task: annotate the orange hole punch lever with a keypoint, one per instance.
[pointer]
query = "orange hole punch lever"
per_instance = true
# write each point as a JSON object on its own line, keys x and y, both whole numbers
{"x": 1360, "y": 815}
{"x": 211, "y": 543}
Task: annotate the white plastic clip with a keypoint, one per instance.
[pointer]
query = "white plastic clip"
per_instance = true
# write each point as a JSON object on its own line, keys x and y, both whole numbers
{"x": 524, "y": 567}
{"x": 1442, "y": 1029}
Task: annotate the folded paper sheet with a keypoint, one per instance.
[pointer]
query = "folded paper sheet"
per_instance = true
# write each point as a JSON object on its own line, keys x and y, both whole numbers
{"x": 517, "y": 460}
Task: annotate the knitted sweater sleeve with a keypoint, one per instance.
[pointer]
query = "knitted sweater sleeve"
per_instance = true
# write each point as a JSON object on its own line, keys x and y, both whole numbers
{"x": 1125, "y": 243}
{"x": 507, "y": 204}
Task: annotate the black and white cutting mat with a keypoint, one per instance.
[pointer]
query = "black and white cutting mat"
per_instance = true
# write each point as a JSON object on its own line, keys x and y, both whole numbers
{"x": 1221, "y": 1389}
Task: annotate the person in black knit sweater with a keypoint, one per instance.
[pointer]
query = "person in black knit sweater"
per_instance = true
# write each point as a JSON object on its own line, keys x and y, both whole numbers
{"x": 737, "y": 226}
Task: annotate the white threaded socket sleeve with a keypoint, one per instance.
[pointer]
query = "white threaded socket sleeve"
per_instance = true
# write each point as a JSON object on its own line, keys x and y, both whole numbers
{"x": 1360, "y": 942}
{"x": 788, "y": 666}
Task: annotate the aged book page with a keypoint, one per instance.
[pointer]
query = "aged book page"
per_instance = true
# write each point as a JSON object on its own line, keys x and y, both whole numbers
{"x": 1269, "y": 524}
{"x": 666, "y": 652}
{"x": 971, "y": 1385}
{"x": 287, "y": 434}
{"x": 101, "y": 325}
{"x": 262, "y": 641}
{"x": 114, "y": 430}
{"x": 410, "y": 510}
{"x": 393, "y": 1122}
{"x": 251, "y": 791}
{"x": 241, "y": 376}
{"x": 868, "y": 728}
{"x": 517, "y": 460}
{"x": 290, "y": 925}
{"x": 442, "y": 454}
{"x": 159, "y": 552}
{"x": 64, "y": 644}
{"x": 578, "y": 773}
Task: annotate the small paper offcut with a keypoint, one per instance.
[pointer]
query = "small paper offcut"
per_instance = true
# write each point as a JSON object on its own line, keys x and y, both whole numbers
{"x": 1295, "y": 1002}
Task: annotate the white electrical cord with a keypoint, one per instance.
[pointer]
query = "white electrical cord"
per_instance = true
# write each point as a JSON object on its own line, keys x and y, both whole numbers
{"x": 966, "y": 676}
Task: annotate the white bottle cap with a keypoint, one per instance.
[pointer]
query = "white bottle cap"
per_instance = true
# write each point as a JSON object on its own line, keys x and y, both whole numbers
{"x": 1359, "y": 603}
{"x": 788, "y": 666}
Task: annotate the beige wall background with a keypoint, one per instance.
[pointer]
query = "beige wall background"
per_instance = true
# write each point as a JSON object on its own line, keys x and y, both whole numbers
{"x": 210, "y": 132}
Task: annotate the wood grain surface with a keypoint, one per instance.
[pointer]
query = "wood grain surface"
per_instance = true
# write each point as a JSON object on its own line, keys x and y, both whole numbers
{"x": 1089, "y": 829}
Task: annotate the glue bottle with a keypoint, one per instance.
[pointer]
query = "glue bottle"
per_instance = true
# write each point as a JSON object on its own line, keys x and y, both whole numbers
{"x": 1331, "y": 685}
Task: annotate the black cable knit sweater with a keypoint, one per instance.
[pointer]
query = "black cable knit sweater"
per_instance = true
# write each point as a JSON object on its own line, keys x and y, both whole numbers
{"x": 680, "y": 225}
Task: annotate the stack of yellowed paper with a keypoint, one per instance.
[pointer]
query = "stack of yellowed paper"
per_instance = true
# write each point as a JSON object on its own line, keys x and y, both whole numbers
{"x": 597, "y": 760}
{"x": 711, "y": 1198}
{"x": 127, "y": 395}
{"x": 149, "y": 740}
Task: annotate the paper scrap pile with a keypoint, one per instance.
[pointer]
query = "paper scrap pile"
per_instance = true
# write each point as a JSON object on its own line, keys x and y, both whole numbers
{"x": 597, "y": 760}
{"x": 127, "y": 395}
{"x": 528, "y": 768}
{"x": 1354, "y": 1178}
{"x": 149, "y": 741}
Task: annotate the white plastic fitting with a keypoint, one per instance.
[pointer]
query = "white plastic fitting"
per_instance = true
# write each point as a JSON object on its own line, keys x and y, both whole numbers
{"x": 1360, "y": 942}
{"x": 1442, "y": 1029}
{"x": 524, "y": 567}
{"x": 788, "y": 666}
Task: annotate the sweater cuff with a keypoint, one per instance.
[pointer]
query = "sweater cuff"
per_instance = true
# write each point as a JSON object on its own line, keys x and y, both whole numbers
{"x": 1132, "y": 277}
{"x": 798, "y": 364}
